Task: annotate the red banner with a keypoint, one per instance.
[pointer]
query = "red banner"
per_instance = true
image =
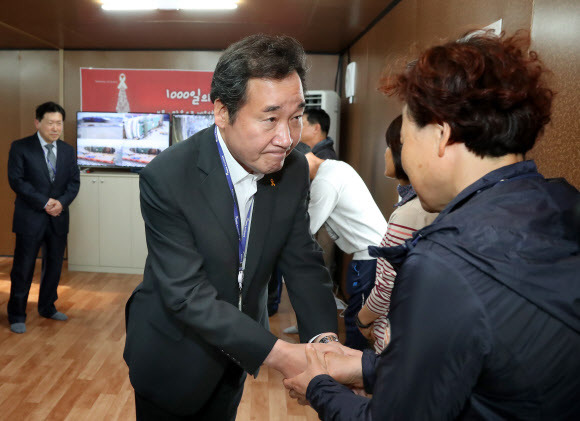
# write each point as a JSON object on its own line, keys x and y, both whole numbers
{"x": 145, "y": 91}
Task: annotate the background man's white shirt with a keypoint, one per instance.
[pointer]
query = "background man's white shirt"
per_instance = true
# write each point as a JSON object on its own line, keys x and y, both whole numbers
{"x": 340, "y": 200}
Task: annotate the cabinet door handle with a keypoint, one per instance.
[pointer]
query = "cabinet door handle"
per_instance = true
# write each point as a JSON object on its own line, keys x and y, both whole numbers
{"x": 94, "y": 181}
{"x": 102, "y": 181}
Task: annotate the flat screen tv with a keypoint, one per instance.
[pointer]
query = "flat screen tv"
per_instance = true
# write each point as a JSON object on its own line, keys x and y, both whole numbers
{"x": 183, "y": 126}
{"x": 120, "y": 140}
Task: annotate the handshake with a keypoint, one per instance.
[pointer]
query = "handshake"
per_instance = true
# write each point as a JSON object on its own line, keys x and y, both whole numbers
{"x": 300, "y": 363}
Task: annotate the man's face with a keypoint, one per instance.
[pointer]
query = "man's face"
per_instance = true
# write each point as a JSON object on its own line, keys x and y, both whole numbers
{"x": 267, "y": 126}
{"x": 50, "y": 127}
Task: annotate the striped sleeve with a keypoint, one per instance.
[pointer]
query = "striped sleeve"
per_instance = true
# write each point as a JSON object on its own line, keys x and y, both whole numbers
{"x": 379, "y": 299}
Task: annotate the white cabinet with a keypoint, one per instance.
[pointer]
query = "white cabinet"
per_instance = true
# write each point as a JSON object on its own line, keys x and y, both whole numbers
{"x": 107, "y": 233}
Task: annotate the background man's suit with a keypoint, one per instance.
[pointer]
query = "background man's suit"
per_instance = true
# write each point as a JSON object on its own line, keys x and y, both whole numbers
{"x": 29, "y": 178}
{"x": 183, "y": 325}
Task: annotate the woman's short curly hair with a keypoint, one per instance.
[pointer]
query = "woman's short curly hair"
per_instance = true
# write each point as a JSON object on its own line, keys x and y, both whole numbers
{"x": 489, "y": 89}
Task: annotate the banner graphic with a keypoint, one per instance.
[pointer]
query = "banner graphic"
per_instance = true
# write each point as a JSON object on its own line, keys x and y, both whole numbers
{"x": 146, "y": 91}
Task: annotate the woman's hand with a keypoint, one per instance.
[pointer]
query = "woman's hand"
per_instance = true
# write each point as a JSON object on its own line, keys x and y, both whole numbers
{"x": 342, "y": 363}
{"x": 316, "y": 365}
{"x": 368, "y": 332}
{"x": 345, "y": 369}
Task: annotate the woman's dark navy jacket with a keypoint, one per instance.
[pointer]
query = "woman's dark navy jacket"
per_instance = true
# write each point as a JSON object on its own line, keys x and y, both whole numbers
{"x": 485, "y": 312}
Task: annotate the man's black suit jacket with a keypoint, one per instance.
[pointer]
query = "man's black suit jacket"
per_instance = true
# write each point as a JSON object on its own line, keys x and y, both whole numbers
{"x": 183, "y": 324}
{"x": 28, "y": 177}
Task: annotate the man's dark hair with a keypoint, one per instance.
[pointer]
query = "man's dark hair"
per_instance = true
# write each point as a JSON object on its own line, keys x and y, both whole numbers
{"x": 256, "y": 56}
{"x": 318, "y": 116}
{"x": 49, "y": 107}
{"x": 393, "y": 138}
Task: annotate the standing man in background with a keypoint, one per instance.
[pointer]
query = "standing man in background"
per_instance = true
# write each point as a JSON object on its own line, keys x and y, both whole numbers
{"x": 43, "y": 172}
{"x": 316, "y": 124}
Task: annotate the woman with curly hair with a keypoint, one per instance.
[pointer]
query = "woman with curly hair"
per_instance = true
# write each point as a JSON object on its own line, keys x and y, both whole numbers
{"x": 485, "y": 314}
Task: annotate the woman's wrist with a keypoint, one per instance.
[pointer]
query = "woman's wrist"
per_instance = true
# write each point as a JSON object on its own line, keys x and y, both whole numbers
{"x": 365, "y": 317}
{"x": 360, "y": 324}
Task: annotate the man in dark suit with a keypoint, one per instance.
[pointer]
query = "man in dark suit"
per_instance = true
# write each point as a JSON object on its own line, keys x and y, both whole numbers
{"x": 43, "y": 172}
{"x": 199, "y": 322}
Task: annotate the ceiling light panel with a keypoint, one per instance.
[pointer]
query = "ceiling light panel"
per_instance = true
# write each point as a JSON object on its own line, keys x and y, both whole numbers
{"x": 119, "y": 5}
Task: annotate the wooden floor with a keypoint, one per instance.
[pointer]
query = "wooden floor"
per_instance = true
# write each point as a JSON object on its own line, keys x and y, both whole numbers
{"x": 74, "y": 370}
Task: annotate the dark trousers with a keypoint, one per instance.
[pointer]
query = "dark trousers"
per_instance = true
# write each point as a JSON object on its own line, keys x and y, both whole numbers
{"x": 274, "y": 291}
{"x": 25, "y": 252}
{"x": 223, "y": 404}
{"x": 360, "y": 281}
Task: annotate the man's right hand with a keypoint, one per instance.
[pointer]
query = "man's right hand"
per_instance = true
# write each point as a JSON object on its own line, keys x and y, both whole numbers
{"x": 340, "y": 362}
{"x": 289, "y": 359}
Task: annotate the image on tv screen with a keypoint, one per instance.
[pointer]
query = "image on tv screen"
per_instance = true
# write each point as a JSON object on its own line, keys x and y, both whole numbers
{"x": 183, "y": 126}
{"x": 120, "y": 139}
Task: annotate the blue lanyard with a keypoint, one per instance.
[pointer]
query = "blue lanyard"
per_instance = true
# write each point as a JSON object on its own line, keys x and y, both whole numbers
{"x": 242, "y": 235}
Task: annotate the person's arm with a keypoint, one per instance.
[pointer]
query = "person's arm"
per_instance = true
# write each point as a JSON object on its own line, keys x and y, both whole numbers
{"x": 440, "y": 337}
{"x": 290, "y": 359}
{"x": 73, "y": 182}
{"x": 18, "y": 182}
{"x": 440, "y": 340}
{"x": 306, "y": 278}
{"x": 380, "y": 295}
{"x": 175, "y": 269}
{"x": 323, "y": 200}
{"x": 334, "y": 373}
{"x": 379, "y": 300}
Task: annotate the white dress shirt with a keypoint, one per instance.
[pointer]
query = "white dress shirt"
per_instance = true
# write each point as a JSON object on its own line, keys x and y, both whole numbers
{"x": 340, "y": 200}
{"x": 245, "y": 186}
{"x": 43, "y": 143}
